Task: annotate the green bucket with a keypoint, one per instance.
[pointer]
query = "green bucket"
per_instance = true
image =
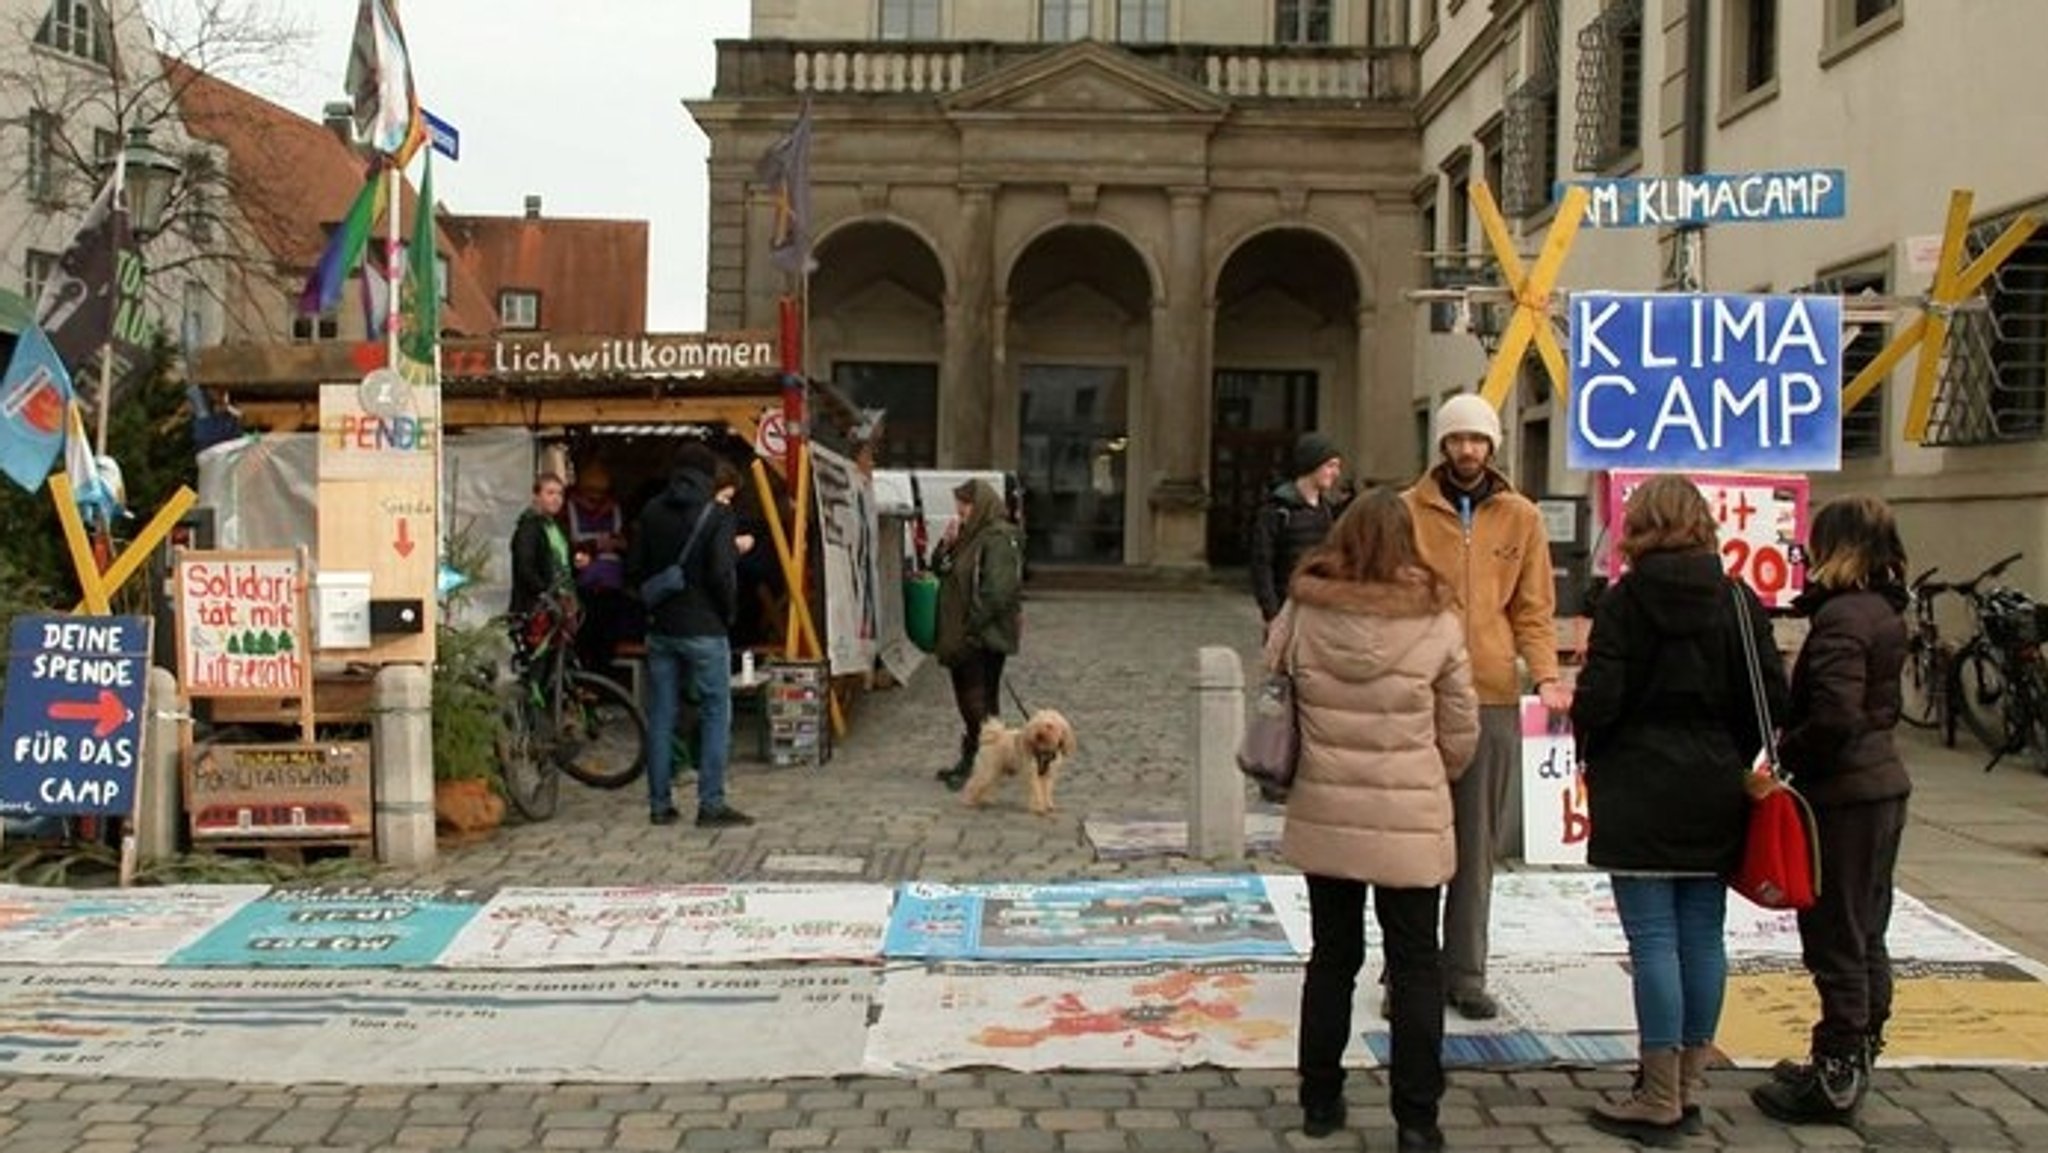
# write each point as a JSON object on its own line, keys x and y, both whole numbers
{"x": 921, "y": 610}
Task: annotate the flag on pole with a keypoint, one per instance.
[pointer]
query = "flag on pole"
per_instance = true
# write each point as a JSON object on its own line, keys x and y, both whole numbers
{"x": 421, "y": 284}
{"x": 34, "y": 394}
{"x": 387, "y": 106}
{"x": 382, "y": 270}
{"x": 89, "y": 484}
{"x": 786, "y": 169}
{"x": 82, "y": 297}
{"x": 344, "y": 248}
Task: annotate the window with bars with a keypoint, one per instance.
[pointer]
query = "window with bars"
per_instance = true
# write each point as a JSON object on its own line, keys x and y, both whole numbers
{"x": 1530, "y": 121}
{"x": 1610, "y": 98}
{"x": 75, "y": 28}
{"x": 910, "y": 20}
{"x": 41, "y": 185}
{"x": 37, "y": 267}
{"x": 1302, "y": 21}
{"x": 1863, "y": 425}
{"x": 1065, "y": 19}
{"x": 1994, "y": 380}
{"x": 1143, "y": 21}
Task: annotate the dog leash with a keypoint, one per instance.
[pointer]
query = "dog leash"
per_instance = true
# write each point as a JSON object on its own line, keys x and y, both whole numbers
{"x": 1023, "y": 710}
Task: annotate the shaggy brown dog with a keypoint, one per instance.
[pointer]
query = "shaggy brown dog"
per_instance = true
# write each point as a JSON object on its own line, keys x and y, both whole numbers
{"x": 1037, "y": 752}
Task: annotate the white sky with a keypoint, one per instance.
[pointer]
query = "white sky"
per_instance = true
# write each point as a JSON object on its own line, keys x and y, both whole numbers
{"x": 577, "y": 101}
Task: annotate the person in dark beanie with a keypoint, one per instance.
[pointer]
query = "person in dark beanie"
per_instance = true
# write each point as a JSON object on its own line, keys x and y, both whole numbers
{"x": 981, "y": 587}
{"x": 1294, "y": 518}
{"x": 689, "y": 632}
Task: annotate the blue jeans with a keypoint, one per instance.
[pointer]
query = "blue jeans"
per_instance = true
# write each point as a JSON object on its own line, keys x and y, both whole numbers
{"x": 709, "y": 664}
{"x": 1678, "y": 949}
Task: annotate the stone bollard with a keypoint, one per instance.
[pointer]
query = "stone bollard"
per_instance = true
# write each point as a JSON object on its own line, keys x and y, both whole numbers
{"x": 402, "y": 761}
{"x": 163, "y": 786}
{"x": 1216, "y": 791}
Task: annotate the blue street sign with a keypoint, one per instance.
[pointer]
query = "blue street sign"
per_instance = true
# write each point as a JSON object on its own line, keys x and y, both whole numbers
{"x": 442, "y": 136}
{"x": 71, "y": 732}
{"x": 1685, "y": 382}
{"x": 1716, "y": 198}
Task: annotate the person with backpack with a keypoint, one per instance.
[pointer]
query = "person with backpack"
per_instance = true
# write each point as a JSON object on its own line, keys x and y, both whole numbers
{"x": 1294, "y": 518}
{"x": 980, "y": 611}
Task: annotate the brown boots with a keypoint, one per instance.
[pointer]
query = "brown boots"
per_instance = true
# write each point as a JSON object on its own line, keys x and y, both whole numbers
{"x": 1653, "y": 1112}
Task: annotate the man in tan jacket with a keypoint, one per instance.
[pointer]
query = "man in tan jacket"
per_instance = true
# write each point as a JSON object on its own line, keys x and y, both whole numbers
{"x": 1488, "y": 541}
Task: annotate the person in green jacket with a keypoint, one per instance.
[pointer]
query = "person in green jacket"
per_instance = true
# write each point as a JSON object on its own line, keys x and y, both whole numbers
{"x": 980, "y": 563}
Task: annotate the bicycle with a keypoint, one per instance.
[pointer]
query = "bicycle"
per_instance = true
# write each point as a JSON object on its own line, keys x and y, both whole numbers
{"x": 1926, "y": 702}
{"x": 2000, "y": 680}
{"x": 557, "y": 717}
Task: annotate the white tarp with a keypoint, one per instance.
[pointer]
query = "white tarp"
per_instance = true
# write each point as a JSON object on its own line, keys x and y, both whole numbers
{"x": 112, "y": 926}
{"x": 388, "y": 1028}
{"x": 673, "y": 925}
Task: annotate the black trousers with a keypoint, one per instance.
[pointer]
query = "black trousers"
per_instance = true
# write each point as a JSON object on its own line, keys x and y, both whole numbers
{"x": 1841, "y": 938}
{"x": 1415, "y": 991}
{"x": 977, "y": 689}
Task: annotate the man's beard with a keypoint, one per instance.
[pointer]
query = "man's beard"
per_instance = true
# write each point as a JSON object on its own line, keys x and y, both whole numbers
{"x": 1461, "y": 477}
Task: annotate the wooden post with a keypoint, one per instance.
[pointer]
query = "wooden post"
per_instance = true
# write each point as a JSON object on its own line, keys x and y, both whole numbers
{"x": 800, "y": 610}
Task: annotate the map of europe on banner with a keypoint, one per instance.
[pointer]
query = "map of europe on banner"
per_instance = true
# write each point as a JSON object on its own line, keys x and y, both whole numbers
{"x": 338, "y": 926}
{"x": 1680, "y": 382}
{"x": 1153, "y": 919}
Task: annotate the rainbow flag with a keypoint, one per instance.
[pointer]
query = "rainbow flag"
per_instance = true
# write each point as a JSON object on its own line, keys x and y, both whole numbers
{"x": 344, "y": 250}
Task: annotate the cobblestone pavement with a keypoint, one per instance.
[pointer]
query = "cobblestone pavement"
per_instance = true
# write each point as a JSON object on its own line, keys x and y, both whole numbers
{"x": 1120, "y": 665}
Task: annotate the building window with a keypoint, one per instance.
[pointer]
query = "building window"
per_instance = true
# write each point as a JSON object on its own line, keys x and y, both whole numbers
{"x": 42, "y": 157}
{"x": 1752, "y": 47}
{"x": 910, "y": 19}
{"x": 1301, "y": 21}
{"x": 1065, "y": 19}
{"x": 192, "y": 327}
{"x": 519, "y": 308}
{"x": 1853, "y": 23}
{"x": 305, "y": 329}
{"x": 1994, "y": 381}
{"x": 105, "y": 144}
{"x": 1863, "y": 12}
{"x": 1429, "y": 19}
{"x": 76, "y": 28}
{"x": 36, "y": 268}
{"x": 1142, "y": 21}
{"x": 1458, "y": 171}
{"x": 1862, "y": 426}
{"x": 441, "y": 277}
{"x": 1530, "y": 123}
{"x": 908, "y": 393}
{"x": 1610, "y": 99}
{"x": 198, "y": 214}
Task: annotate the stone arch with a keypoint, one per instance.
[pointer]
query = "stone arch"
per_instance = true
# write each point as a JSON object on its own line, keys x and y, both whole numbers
{"x": 878, "y": 298}
{"x": 1361, "y": 272}
{"x": 1154, "y": 279}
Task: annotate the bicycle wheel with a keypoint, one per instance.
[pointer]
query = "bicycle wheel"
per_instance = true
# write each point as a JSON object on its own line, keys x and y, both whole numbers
{"x": 532, "y": 783}
{"x": 1979, "y": 695}
{"x": 1919, "y": 693}
{"x": 603, "y": 736}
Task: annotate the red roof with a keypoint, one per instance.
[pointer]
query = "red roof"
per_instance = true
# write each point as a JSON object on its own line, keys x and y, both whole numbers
{"x": 591, "y": 275}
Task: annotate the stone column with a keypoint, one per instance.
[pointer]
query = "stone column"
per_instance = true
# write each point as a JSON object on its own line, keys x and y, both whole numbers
{"x": 967, "y": 388}
{"x": 1384, "y": 419}
{"x": 1177, "y": 436}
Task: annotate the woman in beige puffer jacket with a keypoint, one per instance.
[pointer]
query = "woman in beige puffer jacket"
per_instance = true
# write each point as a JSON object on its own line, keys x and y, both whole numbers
{"x": 1383, "y": 691}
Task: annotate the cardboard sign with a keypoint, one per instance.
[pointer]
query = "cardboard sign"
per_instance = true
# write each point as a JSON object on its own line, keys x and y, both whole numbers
{"x": 1762, "y": 521}
{"x": 369, "y": 433}
{"x": 1555, "y": 823}
{"x": 1673, "y": 382}
{"x": 241, "y": 628}
{"x": 280, "y": 792}
{"x": 71, "y": 736}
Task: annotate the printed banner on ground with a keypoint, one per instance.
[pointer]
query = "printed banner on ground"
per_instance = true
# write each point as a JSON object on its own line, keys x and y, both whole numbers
{"x": 1127, "y": 838}
{"x": 112, "y": 927}
{"x": 389, "y": 1028}
{"x": 673, "y": 925}
{"x": 1943, "y": 1012}
{"x": 338, "y": 926}
{"x": 1141, "y": 920}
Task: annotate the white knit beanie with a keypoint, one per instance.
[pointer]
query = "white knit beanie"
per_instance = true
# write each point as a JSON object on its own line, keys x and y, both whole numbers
{"x": 1468, "y": 412}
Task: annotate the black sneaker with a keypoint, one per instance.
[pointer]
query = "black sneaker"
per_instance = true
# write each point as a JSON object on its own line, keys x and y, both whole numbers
{"x": 1419, "y": 1139}
{"x": 1475, "y": 1005}
{"x": 668, "y": 816}
{"x": 1322, "y": 1120}
{"x": 723, "y": 817}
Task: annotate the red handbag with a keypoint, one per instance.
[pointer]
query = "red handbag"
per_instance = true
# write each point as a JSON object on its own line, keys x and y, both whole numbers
{"x": 1780, "y": 866}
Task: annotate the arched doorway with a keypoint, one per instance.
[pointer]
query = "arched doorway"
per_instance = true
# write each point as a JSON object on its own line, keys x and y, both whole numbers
{"x": 878, "y": 305}
{"x": 1287, "y": 362}
{"x": 1078, "y": 329}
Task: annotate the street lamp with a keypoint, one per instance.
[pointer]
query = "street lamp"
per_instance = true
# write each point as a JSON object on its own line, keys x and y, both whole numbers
{"x": 151, "y": 176}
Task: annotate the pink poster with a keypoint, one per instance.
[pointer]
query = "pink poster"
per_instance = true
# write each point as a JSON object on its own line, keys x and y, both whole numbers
{"x": 1763, "y": 527}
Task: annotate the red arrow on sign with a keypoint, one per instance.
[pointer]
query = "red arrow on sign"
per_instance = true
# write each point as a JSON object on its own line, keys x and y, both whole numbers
{"x": 404, "y": 542}
{"x": 107, "y": 712}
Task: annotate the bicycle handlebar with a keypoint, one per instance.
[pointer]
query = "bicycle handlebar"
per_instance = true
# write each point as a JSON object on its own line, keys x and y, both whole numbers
{"x": 1969, "y": 587}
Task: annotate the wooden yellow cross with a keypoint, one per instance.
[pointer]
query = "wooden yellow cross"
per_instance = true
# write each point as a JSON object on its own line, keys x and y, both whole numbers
{"x": 98, "y": 586}
{"x": 1953, "y": 283}
{"x": 1532, "y": 290}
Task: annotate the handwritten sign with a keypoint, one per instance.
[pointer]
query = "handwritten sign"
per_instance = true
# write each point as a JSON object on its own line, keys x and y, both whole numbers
{"x": 1717, "y": 198}
{"x": 1762, "y": 521}
{"x": 1674, "y": 382}
{"x": 1555, "y": 823}
{"x": 71, "y": 736}
{"x": 241, "y": 631}
{"x": 400, "y": 438}
{"x": 304, "y": 792}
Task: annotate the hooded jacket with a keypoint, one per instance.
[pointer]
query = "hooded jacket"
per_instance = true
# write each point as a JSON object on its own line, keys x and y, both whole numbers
{"x": 1845, "y": 698}
{"x": 1283, "y": 530}
{"x": 1496, "y": 558}
{"x": 709, "y": 602}
{"x": 540, "y": 561}
{"x": 1665, "y": 720}
{"x": 981, "y": 582}
{"x": 1383, "y": 690}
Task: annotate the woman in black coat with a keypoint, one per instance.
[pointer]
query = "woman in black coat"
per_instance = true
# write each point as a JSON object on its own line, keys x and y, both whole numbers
{"x": 1838, "y": 747}
{"x": 1667, "y": 730}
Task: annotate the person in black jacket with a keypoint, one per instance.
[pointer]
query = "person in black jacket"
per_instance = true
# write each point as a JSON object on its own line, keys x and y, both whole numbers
{"x": 540, "y": 549}
{"x": 1667, "y": 729}
{"x": 689, "y": 631}
{"x": 1294, "y": 518}
{"x": 1838, "y": 747}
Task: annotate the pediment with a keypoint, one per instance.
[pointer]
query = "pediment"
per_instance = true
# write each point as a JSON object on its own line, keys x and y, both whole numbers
{"x": 1086, "y": 79}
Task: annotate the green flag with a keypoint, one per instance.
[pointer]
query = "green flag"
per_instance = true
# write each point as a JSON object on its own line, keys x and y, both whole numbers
{"x": 422, "y": 291}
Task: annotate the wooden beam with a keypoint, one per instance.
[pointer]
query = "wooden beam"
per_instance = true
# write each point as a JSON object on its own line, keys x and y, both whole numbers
{"x": 1532, "y": 289}
{"x": 736, "y": 411}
